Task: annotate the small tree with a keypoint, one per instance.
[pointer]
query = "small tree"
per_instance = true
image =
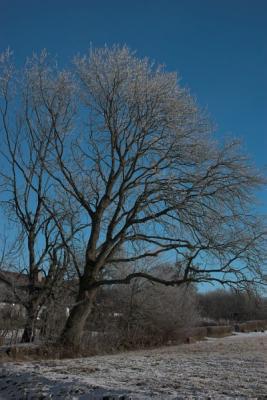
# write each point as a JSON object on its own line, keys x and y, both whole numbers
{"x": 129, "y": 147}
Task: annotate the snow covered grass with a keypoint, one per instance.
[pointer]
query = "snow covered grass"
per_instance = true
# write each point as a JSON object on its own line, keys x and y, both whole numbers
{"x": 230, "y": 367}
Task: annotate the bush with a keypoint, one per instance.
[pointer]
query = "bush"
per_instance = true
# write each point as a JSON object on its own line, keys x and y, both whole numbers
{"x": 218, "y": 331}
{"x": 251, "y": 326}
{"x": 141, "y": 315}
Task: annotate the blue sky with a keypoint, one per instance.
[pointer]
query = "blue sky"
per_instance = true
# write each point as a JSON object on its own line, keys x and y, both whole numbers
{"x": 218, "y": 47}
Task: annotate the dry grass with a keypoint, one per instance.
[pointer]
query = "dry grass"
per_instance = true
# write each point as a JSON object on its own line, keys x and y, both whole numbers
{"x": 232, "y": 367}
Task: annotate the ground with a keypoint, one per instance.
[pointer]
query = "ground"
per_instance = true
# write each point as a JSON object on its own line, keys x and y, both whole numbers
{"x": 233, "y": 367}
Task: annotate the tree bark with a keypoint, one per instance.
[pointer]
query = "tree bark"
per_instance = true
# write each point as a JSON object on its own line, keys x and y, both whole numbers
{"x": 29, "y": 329}
{"x": 74, "y": 328}
{"x": 28, "y": 334}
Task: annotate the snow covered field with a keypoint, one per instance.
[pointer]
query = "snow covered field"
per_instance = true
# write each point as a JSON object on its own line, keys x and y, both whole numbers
{"x": 234, "y": 367}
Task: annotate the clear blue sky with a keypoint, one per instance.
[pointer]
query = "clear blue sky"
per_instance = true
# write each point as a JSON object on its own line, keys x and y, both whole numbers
{"x": 219, "y": 47}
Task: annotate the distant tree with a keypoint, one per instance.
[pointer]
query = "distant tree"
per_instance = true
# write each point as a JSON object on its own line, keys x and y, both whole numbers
{"x": 131, "y": 149}
{"x": 233, "y": 305}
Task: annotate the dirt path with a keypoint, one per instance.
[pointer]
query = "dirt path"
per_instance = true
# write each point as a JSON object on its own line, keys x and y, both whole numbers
{"x": 234, "y": 367}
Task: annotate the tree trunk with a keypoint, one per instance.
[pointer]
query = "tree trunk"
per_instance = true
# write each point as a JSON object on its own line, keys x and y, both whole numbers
{"x": 29, "y": 329}
{"x": 28, "y": 334}
{"x": 73, "y": 331}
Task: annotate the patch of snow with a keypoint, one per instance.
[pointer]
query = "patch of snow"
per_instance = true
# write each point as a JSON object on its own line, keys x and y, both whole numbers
{"x": 233, "y": 367}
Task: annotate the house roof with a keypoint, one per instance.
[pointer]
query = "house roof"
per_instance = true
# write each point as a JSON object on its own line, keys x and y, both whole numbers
{"x": 11, "y": 278}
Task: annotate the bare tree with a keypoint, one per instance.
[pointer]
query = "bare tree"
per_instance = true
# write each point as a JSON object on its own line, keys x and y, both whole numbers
{"x": 233, "y": 305}
{"x": 40, "y": 249}
{"x": 130, "y": 147}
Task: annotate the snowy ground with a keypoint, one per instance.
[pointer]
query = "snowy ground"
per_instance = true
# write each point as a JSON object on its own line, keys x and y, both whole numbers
{"x": 234, "y": 367}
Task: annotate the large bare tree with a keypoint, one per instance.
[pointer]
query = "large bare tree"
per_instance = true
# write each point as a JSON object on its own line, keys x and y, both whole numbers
{"x": 131, "y": 149}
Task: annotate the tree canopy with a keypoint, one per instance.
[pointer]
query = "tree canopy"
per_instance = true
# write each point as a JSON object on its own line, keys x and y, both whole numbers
{"x": 134, "y": 170}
